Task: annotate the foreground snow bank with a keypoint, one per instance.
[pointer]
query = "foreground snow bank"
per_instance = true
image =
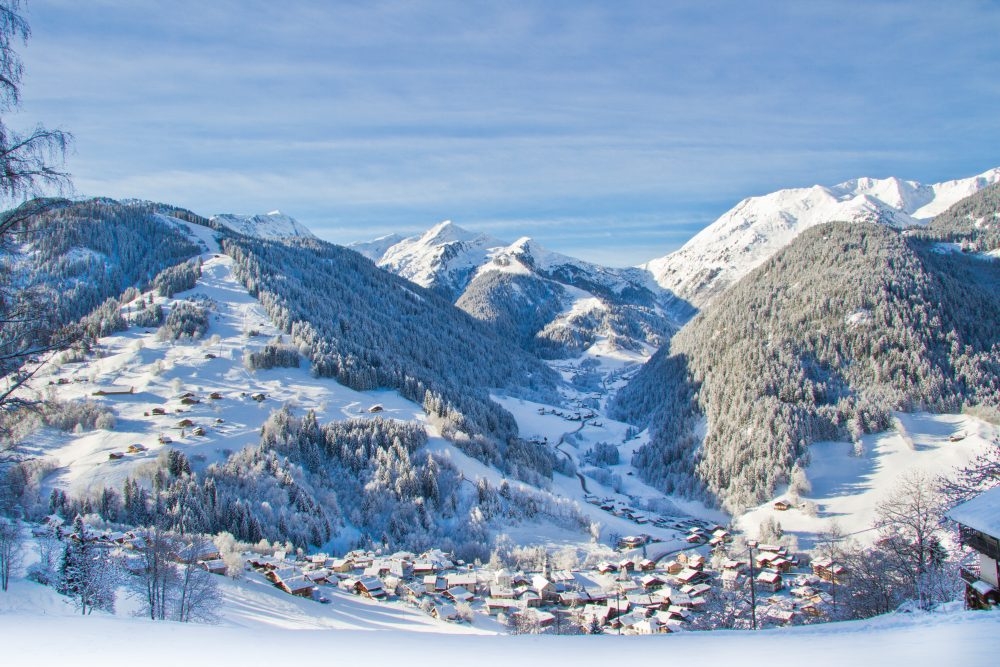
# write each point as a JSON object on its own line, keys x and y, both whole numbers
{"x": 945, "y": 639}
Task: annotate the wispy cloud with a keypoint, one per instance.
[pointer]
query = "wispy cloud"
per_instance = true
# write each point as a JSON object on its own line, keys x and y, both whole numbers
{"x": 631, "y": 113}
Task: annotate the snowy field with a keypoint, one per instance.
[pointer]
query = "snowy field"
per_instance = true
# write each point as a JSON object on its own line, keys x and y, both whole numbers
{"x": 37, "y": 628}
{"x": 846, "y": 488}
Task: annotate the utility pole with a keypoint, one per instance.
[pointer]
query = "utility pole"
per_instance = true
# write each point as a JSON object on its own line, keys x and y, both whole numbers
{"x": 753, "y": 588}
{"x": 618, "y": 611}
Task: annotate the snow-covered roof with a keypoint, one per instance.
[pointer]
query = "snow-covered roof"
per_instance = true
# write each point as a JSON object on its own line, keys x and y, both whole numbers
{"x": 982, "y": 513}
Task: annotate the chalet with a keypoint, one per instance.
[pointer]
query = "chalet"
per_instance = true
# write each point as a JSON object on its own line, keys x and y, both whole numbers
{"x": 827, "y": 570}
{"x": 341, "y": 565}
{"x": 496, "y": 606}
{"x": 631, "y": 541}
{"x": 503, "y": 578}
{"x": 647, "y": 565}
{"x": 413, "y": 591}
{"x": 114, "y": 456}
{"x": 697, "y": 590}
{"x": 597, "y": 611}
{"x": 677, "y": 613}
{"x": 446, "y": 612}
{"x": 979, "y": 528}
{"x": 214, "y": 566}
{"x": 722, "y": 534}
{"x": 215, "y": 396}
{"x": 617, "y": 606}
{"x": 370, "y": 587}
{"x": 696, "y": 562}
{"x": 770, "y": 581}
{"x": 459, "y": 594}
{"x": 651, "y": 581}
{"x": 690, "y": 576}
{"x": 650, "y": 626}
{"x": 299, "y": 586}
{"x": 780, "y": 615}
{"x": 545, "y": 588}
{"x": 501, "y": 591}
{"x": 626, "y": 565}
{"x": 530, "y": 599}
{"x": 573, "y": 598}
{"x": 782, "y": 505}
{"x": 605, "y": 567}
{"x": 424, "y": 567}
{"x": 136, "y": 448}
{"x": 376, "y": 408}
{"x": 197, "y": 552}
{"x": 466, "y": 580}
{"x": 543, "y": 619}
{"x": 320, "y": 576}
{"x": 674, "y": 567}
{"x": 159, "y": 411}
{"x": 184, "y": 423}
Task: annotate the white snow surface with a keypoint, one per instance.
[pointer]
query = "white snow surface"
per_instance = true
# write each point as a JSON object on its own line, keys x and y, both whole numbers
{"x": 273, "y": 225}
{"x": 38, "y": 628}
{"x": 846, "y": 488}
{"x": 756, "y": 228}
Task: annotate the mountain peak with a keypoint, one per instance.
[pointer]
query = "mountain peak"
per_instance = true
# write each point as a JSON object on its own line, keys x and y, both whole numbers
{"x": 447, "y": 232}
{"x": 273, "y": 225}
{"x": 757, "y": 227}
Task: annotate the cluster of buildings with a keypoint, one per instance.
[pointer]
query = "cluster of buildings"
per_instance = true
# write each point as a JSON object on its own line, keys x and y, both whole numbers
{"x": 630, "y": 596}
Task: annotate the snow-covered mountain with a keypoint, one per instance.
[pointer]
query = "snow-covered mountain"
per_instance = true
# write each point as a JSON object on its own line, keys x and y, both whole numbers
{"x": 757, "y": 227}
{"x": 443, "y": 259}
{"x": 570, "y": 302}
{"x": 273, "y": 225}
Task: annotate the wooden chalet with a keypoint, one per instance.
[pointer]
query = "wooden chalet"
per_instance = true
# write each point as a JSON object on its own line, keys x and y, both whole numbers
{"x": 782, "y": 505}
{"x": 770, "y": 581}
{"x": 979, "y": 528}
{"x": 370, "y": 587}
{"x": 827, "y": 570}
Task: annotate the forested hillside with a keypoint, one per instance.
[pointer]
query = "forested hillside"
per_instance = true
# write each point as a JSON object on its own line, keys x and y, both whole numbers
{"x": 368, "y": 329}
{"x": 65, "y": 262}
{"x": 849, "y": 322}
{"x": 553, "y": 305}
{"x": 974, "y": 221}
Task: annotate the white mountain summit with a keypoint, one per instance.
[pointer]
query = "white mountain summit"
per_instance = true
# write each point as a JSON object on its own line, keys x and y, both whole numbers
{"x": 273, "y": 225}
{"x": 757, "y": 227}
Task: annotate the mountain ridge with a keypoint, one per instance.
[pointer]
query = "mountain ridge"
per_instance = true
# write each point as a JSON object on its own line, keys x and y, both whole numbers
{"x": 757, "y": 227}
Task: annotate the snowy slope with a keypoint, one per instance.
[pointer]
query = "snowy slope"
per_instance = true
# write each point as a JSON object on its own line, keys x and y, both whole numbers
{"x": 46, "y": 635}
{"x": 757, "y": 227}
{"x": 845, "y": 488}
{"x": 157, "y": 372}
{"x": 273, "y": 225}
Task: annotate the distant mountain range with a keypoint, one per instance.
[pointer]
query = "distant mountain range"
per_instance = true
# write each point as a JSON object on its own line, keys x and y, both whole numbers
{"x": 756, "y": 228}
{"x": 555, "y": 304}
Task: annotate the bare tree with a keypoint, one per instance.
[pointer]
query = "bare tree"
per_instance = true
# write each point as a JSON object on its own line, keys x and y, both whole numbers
{"x": 11, "y": 555}
{"x": 198, "y": 594}
{"x": 157, "y": 577}
{"x": 909, "y": 525}
{"x": 980, "y": 475}
{"x": 27, "y": 173}
{"x": 172, "y": 590}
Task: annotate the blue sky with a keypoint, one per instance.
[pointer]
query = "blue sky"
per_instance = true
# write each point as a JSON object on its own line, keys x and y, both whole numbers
{"x": 611, "y": 131}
